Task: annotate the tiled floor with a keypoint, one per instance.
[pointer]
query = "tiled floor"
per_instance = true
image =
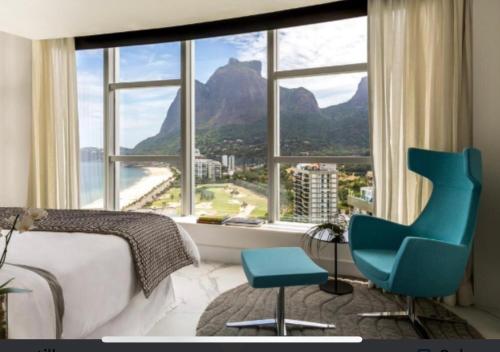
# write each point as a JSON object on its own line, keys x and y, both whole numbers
{"x": 195, "y": 288}
{"x": 488, "y": 325}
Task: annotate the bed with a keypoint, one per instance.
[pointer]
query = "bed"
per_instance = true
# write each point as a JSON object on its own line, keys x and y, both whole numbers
{"x": 100, "y": 287}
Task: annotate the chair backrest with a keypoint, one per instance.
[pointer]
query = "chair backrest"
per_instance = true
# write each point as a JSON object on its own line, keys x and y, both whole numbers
{"x": 450, "y": 215}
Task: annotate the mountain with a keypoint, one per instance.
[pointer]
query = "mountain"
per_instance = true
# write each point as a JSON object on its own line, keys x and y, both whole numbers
{"x": 231, "y": 118}
{"x": 349, "y": 121}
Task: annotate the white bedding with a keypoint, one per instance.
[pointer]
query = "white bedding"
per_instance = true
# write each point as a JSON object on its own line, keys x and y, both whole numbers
{"x": 96, "y": 273}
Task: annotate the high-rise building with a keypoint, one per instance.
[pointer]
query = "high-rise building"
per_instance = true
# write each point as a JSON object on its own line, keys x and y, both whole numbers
{"x": 230, "y": 163}
{"x": 224, "y": 160}
{"x": 315, "y": 188}
{"x": 207, "y": 169}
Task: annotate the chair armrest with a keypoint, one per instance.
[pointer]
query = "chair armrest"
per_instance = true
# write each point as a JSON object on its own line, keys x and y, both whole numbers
{"x": 426, "y": 267}
{"x": 368, "y": 232}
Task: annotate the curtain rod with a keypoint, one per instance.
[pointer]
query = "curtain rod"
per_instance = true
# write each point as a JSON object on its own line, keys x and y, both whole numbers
{"x": 336, "y": 10}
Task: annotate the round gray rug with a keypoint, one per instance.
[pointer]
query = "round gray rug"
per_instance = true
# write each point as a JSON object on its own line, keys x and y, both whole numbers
{"x": 310, "y": 303}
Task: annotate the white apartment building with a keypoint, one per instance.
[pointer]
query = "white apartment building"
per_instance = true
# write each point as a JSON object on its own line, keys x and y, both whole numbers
{"x": 315, "y": 187}
{"x": 207, "y": 169}
{"x": 231, "y": 163}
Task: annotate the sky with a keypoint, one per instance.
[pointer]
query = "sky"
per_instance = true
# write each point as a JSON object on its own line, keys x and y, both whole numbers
{"x": 142, "y": 111}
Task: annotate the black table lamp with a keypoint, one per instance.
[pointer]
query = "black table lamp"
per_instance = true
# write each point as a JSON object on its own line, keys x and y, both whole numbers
{"x": 319, "y": 235}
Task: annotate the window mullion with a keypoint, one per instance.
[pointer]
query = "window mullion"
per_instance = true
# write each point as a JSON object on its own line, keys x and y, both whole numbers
{"x": 273, "y": 127}
{"x": 116, "y": 130}
{"x": 187, "y": 127}
{"x": 145, "y": 84}
{"x": 321, "y": 71}
{"x": 110, "y": 126}
{"x": 323, "y": 159}
{"x": 174, "y": 159}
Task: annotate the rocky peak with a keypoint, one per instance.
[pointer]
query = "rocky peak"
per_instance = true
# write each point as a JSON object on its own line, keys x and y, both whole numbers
{"x": 253, "y": 64}
{"x": 361, "y": 95}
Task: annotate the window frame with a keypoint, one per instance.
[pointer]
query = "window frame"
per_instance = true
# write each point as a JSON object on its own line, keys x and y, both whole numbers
{"x": 185, "y": 161}
{"x": 273, "y": 98}
{"x": 112, "y": 126}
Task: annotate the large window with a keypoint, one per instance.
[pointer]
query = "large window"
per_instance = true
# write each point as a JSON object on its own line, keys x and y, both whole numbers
{"x": 130, "y": 137}
{"x": 91, "y": 124}
{"x": 321, "y": 148}
{"x": 230, "y": 167}
{"x": 144, "y": 127}
{"x": 271, "y": 125}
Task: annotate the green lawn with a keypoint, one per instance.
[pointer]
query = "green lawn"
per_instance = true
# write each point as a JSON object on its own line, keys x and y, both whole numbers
{"x": 172, "y": 198}
{"x": 223, "y": 202}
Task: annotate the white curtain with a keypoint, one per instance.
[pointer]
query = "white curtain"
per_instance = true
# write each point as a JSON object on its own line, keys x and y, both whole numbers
{"x": 54, "y": 167}
{"x": 420, "y": 89}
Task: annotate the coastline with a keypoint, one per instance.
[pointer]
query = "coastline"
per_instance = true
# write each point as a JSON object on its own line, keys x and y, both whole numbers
{"x": 155, "y": 177}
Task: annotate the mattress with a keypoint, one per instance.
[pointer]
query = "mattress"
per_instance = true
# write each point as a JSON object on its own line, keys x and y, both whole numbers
{"x": 96, "y": 273}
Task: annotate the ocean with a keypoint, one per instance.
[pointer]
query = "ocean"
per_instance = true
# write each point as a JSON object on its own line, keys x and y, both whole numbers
{"x": 92, "y": 179}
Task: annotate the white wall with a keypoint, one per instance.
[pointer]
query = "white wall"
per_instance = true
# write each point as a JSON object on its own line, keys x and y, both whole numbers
{"x": 15, "y": 118}
{"x": 486, "y": 68}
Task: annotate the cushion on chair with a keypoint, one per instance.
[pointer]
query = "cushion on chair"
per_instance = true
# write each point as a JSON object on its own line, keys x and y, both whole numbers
{"x": 280, "y": 267}
{"x": 375, "y": 262}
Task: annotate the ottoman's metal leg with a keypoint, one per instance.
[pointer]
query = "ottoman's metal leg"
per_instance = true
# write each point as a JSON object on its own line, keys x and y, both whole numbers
{"x": 308, "y": 324}
{"x": 252, "y": 323}
{"x": 279, "y": 322}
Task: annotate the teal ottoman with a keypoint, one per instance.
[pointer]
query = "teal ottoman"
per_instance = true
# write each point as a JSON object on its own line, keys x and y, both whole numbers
{"x": 280, "y": 267}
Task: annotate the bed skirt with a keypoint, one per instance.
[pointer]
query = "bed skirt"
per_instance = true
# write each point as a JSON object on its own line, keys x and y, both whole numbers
{"x": 139, "y": 317}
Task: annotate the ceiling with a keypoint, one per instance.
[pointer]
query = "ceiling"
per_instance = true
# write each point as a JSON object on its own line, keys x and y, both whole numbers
{"x": 44, "y": 19}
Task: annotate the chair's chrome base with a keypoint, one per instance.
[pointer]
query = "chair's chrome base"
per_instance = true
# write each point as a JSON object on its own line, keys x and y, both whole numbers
{"x": 420, "y": 328}
{"x": 411, "y": 315}
{"x": 280, "y": 323}
{"x": 262, "y": 323}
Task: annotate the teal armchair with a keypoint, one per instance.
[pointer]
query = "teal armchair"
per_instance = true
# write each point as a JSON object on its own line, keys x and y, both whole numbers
{"x": 427, "y": 258}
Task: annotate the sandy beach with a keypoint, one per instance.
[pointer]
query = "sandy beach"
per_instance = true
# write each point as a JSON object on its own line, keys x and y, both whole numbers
{"x": 155, "y": 176}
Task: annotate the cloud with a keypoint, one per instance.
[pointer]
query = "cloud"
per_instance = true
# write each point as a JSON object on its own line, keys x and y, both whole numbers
{"x": 323, "y": 44}
{"x": 150, "y": 62}
{"x": 142, "y": 112}
{"x": 250, "y": 46}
